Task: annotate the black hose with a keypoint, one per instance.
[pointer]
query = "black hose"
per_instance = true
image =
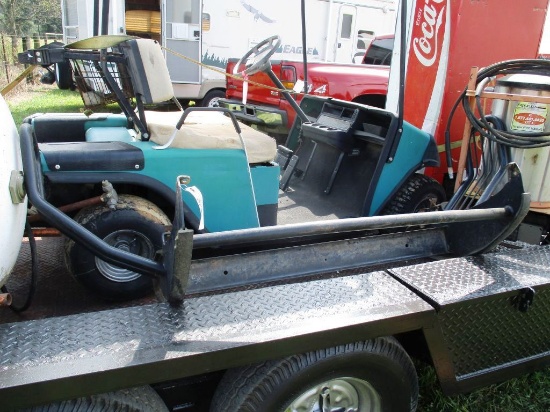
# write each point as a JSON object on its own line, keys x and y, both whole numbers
{"x": 34, "y": 273}
{"x": 482, "y": 126}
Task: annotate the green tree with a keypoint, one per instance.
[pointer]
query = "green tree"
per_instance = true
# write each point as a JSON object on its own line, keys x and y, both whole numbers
{"x": 24, "y": 17}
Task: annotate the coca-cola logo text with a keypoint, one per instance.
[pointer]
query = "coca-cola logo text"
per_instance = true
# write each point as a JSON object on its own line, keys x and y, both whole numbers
{"x": 426, "y": 40}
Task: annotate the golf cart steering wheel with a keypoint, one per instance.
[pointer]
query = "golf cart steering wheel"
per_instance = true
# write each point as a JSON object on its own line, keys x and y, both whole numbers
{"x": 257, "y": 59}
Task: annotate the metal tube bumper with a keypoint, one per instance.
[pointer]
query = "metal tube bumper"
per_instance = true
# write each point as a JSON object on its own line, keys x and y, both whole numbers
{"x": 328, "y": 227}
{"x": 68, "y": 226}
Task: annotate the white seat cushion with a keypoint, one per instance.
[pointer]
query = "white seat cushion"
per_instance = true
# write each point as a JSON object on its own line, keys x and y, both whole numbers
{"x": 210, "y": 130}
{"x": 150, "y": 76}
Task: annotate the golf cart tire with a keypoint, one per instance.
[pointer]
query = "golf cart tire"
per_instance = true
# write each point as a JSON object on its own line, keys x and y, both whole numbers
{"x": 380, "y": 364}
{"x": 140, "y": 399}
{"x": 211, "y": 98}
{"x": 419, "y": 193}
{"x": 136, "y": 223}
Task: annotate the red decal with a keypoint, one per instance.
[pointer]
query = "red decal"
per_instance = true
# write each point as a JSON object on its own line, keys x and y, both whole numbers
{"x": 530, "y": 119}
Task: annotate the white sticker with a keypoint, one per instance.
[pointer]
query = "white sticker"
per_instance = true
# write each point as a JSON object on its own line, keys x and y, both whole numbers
{"x": 299, "y": 86}
{"x": 197, "y": 195}
{"x": 245, "y": 87}
{"x": 529, "y": 117}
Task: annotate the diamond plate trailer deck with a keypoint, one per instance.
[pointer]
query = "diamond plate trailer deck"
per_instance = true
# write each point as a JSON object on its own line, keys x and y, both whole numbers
{"x": 69, "y": 356}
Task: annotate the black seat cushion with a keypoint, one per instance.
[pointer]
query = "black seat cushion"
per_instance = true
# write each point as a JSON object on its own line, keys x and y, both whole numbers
{"x": 92, "y": 156}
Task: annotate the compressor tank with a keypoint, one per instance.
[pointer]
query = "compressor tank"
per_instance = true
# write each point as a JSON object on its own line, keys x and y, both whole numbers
{"x": 528, "y": 117}
{"x": 12, "y": 223}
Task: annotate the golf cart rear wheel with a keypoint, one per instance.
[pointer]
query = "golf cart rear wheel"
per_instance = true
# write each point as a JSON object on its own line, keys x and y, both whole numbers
{"x": 136, "y": 226}
{"x": 141, "y": 399}
{"x": 420, "y": 193}
{"x": 375, "y": 375}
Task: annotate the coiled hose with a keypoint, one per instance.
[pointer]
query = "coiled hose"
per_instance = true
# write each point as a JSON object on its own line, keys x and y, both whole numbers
{"x": 481, "y": 124}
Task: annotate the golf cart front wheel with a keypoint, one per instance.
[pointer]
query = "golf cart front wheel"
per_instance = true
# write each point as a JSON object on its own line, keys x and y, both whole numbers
{"x": 419, "y": 193}
{"x": 136, "y": 226}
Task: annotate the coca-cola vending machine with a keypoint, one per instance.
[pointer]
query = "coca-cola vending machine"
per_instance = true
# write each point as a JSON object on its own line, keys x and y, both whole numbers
{"x": 445, "y": 39}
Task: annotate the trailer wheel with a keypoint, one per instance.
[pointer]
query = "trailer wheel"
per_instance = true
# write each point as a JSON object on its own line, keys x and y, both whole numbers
{"x": 212, "y": 98}
{"x": 63, "y": 72}
{"x": 137, "y": 226}
{"x": 420, "y": 193}
{"x": 63, "y": 75}
{"x": 142, "y": 399}
{"x": 375, "y": 375}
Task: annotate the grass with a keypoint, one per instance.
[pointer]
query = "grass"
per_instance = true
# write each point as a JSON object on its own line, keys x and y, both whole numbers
{"x": 42, "y": 99}
{"x": 527, "y": 393}
{"x": 47, "y": 99}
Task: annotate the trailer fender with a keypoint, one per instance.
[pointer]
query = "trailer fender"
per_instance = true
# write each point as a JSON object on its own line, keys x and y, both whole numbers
{"x": 143, "y": 399}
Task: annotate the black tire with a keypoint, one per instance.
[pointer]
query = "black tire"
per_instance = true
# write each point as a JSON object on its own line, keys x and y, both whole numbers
{"x": 420, "y": 193}
{"x": 211, "y": 98}
{"x": 63, "y": 75}
{"x": 142, "y": 399}
{"x": 137, "y": 225}
{"x": 274, "y": 386}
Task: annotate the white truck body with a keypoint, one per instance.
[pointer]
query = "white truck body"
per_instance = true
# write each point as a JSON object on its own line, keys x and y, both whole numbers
{"x": 212, "y": 31}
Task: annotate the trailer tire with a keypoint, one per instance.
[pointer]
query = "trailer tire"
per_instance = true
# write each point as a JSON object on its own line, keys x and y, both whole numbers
{"x": 63, "y": 75}
{"x": 63, "y": 72}
{"x": 141, "y": 399}
{"x": 137, "y": 225}
{"x": 374, "y": 375}
{"x": 419, "y": 193}
{"x": 212, "y": 98}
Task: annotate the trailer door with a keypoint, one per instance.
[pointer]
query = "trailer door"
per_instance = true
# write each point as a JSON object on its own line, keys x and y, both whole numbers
{"x": 346, "y": 34}
{"x": 182, "y": 34}
{"x": 69, "y": 17}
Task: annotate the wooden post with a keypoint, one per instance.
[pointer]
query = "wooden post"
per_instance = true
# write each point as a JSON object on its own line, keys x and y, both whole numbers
{"x": 467, "y": 126}
{"x": 5, "y": 58}
{"x": 28, "y": 45}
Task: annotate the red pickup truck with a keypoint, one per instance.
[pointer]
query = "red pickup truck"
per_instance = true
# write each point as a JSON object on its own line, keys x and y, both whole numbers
{"x": 271, "y": 113}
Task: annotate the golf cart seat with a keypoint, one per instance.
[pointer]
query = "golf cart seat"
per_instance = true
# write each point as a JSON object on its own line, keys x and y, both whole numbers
{"x": 210, "y": 130}
{"x": 202, "y": 130}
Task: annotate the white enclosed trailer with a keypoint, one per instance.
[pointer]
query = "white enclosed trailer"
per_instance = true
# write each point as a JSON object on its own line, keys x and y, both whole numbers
{"x": 212, "y": 31}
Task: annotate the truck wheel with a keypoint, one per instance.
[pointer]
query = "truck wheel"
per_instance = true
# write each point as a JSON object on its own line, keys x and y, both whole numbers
{"x": 375, "y": 375}
{"x": 142, "y": 399}
{"x": 136, "y": 226}
{"x": 211, "y": 99}
{"x": 419, "y": 194}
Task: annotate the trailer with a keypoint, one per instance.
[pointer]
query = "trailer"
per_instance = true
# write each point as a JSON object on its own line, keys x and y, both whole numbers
{"x": 293, "y": 317}
{"x": 322, "y": 315}
{"x": 212, "y": 31}
{"x": 311, "y": 315}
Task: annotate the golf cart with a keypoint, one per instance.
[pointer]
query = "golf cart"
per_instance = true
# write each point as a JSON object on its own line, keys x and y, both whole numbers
{"x": 342, "y": 160}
